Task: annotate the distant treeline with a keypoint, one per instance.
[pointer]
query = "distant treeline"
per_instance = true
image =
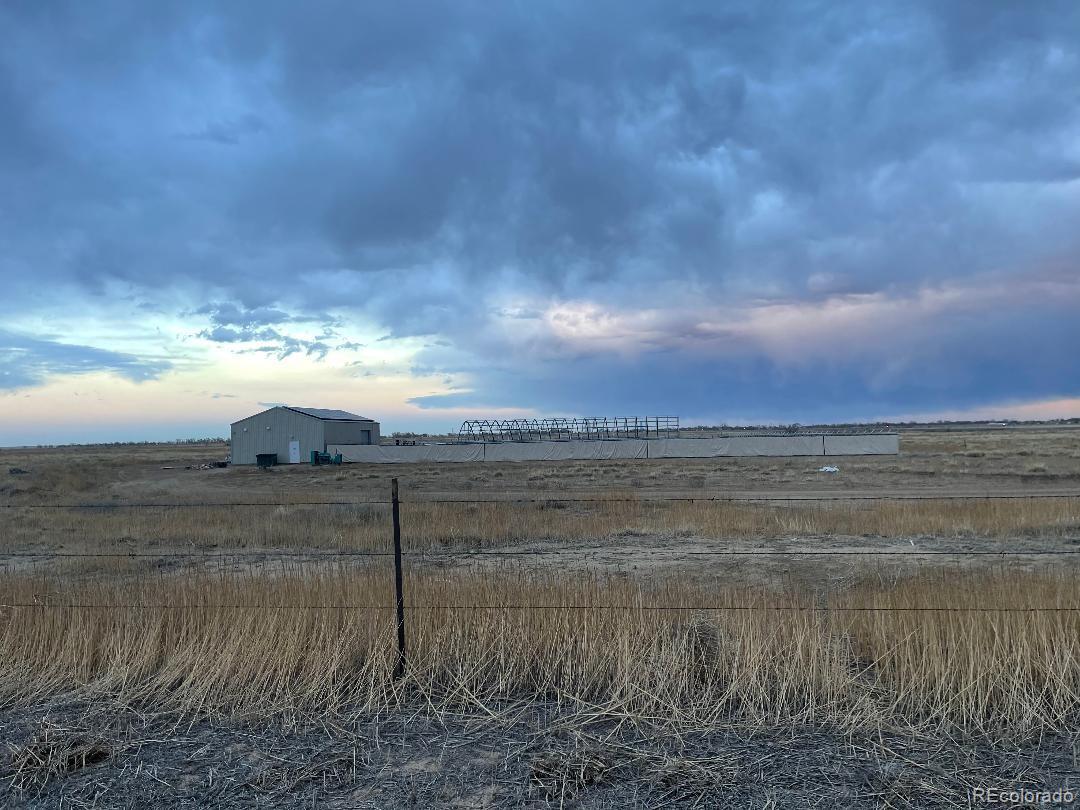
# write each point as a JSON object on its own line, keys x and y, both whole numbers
{"x": 796, "y": 426}
{"x": 206, "y": 440}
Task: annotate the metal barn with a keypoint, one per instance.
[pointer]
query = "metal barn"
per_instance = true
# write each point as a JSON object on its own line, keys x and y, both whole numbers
{"x": 291, "y": 433}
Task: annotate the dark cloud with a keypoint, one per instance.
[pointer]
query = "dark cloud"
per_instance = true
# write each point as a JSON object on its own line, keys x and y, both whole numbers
{"x": 27, "y": 361}
{"x": 962, "y": 349}
{"x": 426, "y": 168}
{"x": 230, "y": 314}
{"x": 921, "y": 376}
{"x": 287, "y": 346}
{"x": 243, "y": 334}
{"x": 234, "y": 323}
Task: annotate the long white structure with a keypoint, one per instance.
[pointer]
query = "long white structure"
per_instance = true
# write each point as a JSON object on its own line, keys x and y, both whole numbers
{"x": 811, "y": 444}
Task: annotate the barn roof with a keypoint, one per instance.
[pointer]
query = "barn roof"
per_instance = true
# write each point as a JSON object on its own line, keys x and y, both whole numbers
{"x": 329, "y": 414}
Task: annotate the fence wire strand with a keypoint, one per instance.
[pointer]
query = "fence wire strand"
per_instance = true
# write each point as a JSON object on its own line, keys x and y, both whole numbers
{"x": 785, "y": 497}
{"x": 587, "y": 608}
{"x": 313, "y": 556}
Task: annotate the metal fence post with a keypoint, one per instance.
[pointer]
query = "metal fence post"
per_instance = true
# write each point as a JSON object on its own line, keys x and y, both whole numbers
{"x": 399, "y": 667}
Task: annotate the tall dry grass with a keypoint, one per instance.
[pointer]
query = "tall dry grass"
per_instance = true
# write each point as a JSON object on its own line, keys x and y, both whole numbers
{"x": 427, "y": 525}
{"x": 313, "y": 642}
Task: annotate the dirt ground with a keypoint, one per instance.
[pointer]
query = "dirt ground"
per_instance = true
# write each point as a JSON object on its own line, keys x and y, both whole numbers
{"x": 526, "y": 756}
{"x": 800, "y": 564}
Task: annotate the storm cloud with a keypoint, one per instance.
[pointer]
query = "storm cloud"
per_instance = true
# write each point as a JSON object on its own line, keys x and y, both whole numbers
{"x": 724, "y": 210}
{"x": 27, "y": 361}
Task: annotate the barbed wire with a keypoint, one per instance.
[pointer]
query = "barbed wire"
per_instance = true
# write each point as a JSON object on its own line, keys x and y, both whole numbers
{"x": 436, "y": 555}
{"x": 788, "y": 497}
{"x": 522, "y": 607}
{"x": 304, "y": 556}
{"x": 762, "y": 498}
{"x": 191, "y": 505}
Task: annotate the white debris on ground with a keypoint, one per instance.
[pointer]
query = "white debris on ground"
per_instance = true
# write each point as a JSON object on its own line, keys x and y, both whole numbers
{"x": 213, "y": 465}
{"x": 829, "y": 469}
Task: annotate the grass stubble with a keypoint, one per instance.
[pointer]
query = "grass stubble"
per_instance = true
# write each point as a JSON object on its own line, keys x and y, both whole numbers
{"x": 491, "y": 524}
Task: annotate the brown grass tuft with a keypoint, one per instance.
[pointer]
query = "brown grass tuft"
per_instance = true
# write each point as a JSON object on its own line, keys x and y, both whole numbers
{"x": 240, "y": 643}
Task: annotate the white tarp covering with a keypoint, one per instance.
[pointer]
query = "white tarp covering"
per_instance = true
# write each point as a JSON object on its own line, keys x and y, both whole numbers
{"x": 737, "y": 446}
{"x": 556, "y": 451}
{"x": 507, "y": 451}
{"x": 867, "y": 444}
{"x": 530, "y": 451}
{"x": 728, "y": 446}
{"x": 390, "y": 454}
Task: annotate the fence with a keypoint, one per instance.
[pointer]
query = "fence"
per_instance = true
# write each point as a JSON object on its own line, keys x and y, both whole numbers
{"x": 398, "y": 553}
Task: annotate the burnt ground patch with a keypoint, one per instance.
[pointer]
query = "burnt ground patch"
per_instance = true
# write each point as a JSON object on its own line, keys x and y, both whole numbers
{"x": 530, "y": 755}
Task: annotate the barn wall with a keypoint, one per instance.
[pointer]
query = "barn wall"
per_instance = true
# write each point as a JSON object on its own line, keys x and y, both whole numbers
{"x": 351, "y": 432}
{"x": 271, "y": 431}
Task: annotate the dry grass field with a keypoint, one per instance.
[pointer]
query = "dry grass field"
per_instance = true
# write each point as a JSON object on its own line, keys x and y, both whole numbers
{"x": 575, "y": 607}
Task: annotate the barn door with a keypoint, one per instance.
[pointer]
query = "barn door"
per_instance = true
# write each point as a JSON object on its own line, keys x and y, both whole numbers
{"x": 294, "y": 452}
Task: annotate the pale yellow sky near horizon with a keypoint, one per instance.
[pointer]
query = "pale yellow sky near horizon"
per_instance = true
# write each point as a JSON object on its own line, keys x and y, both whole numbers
{"x": 103, "y": 406}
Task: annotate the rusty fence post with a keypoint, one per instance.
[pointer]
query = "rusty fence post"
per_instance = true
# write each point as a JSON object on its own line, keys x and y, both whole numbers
{"x": 399, "y": 667}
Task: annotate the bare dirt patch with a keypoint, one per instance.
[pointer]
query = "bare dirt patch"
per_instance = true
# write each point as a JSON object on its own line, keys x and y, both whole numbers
{"x": 813, "y": 563}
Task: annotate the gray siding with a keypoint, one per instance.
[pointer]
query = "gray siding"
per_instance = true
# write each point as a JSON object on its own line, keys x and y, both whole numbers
{"x": 352, "y": 432}
{"x": 271, "y": 431}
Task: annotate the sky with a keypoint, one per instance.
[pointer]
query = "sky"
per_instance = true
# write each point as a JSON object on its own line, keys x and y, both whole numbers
{"x": 427, "y": 212}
